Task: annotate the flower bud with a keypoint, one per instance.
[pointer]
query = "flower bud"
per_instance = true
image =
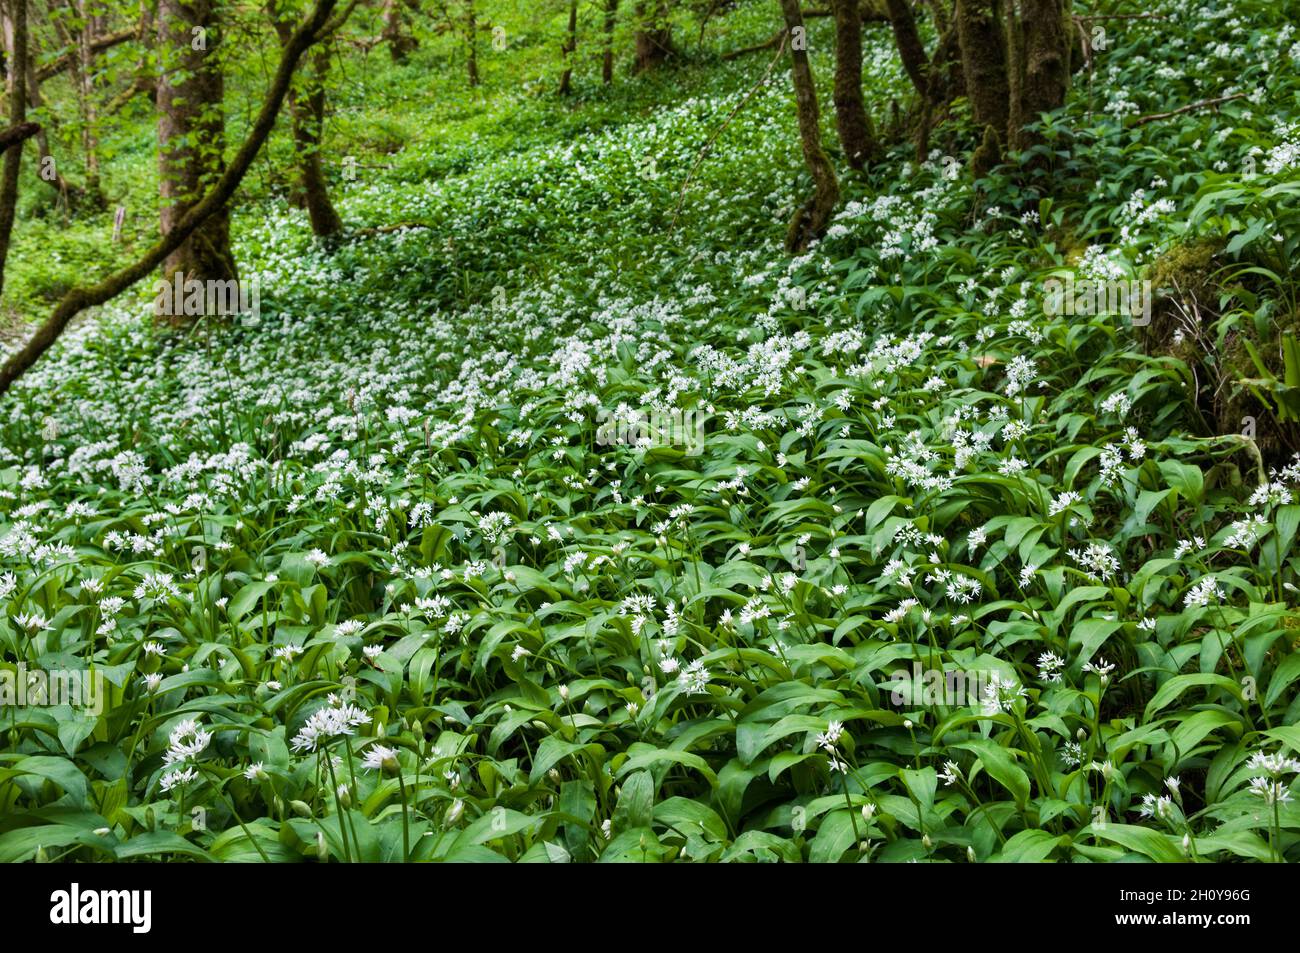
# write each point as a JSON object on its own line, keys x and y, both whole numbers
{"x": 455, "y": 811}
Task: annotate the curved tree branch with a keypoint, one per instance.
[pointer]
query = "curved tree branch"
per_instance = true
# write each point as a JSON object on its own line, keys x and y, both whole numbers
{"x": 19, "y": 133}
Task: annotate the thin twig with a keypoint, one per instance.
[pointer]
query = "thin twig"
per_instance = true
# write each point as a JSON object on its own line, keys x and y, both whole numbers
{"x": 681, "y": 196}
{"x": 1143, "y": 120}
{"x": 1120, "y": 16}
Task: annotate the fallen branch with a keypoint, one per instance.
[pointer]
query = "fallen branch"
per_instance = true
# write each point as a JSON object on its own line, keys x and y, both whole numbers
{"x": 1204, "y": 103}
{"x": 78, "y": 299}
{"x": 1119, "y": 16}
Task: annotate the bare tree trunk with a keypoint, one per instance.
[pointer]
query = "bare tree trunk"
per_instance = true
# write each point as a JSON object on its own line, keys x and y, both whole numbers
{"x": 813, "y": 217}
{"x": 607, "y": 63}
{"x": 857, "y": 134}
{"x": 910, "y": 49}
{"x": 568, "y": 49}
{"x": 16, "y": 22}
{"x": 307, "y": 121}
{"x": 654, "y": 34}
{"x": 191, "y": 136}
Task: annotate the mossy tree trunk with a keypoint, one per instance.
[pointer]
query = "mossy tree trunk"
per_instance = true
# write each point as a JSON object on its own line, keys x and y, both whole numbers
{"x": 191, "y": 135}
{"x": 568, "y": 49}
{"x": 607, "y": 59}
{"x": 1040, "y": 73}
{"x": 857, "y": 134}
{"x": 471, "y": 43}
{"x": 986, "y": 64}
{"x": 813, "y": 217}
{"x": 654, "y": 34}
{"x": 399, "y": 40}
{"x": 306, "y": 102}
{"x": 16, "y": 21}
{"x": 908, "y": 40}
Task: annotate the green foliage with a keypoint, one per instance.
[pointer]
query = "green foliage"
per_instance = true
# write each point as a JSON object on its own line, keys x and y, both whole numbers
{"x": 556, "y": 527}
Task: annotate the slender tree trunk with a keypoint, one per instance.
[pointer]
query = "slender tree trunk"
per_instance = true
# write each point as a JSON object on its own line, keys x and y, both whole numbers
{"x": 191, "y": 136}
{"x": 307, "y": 115}
{"x": 471, "y": 43}
{"x": 400, "y": 43}
{"x": 910, "y": 49}
{"x": 857, "y": 134}
{"x": 654, "y": 34}
{"x": 568, "y": 49}
{"x": 813, "y": 217}
{"x": 16, "y": 21}
{"x": 945, "y": 85}
{"x": 607, "y": 61}
{"x": 307, "y": 120}
{"x": 47, "y": 167}
{"x": 84, "y": 78}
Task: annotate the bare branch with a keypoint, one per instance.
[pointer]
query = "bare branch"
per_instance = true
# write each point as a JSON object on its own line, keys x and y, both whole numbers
{"x": 1203, "y": 104}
